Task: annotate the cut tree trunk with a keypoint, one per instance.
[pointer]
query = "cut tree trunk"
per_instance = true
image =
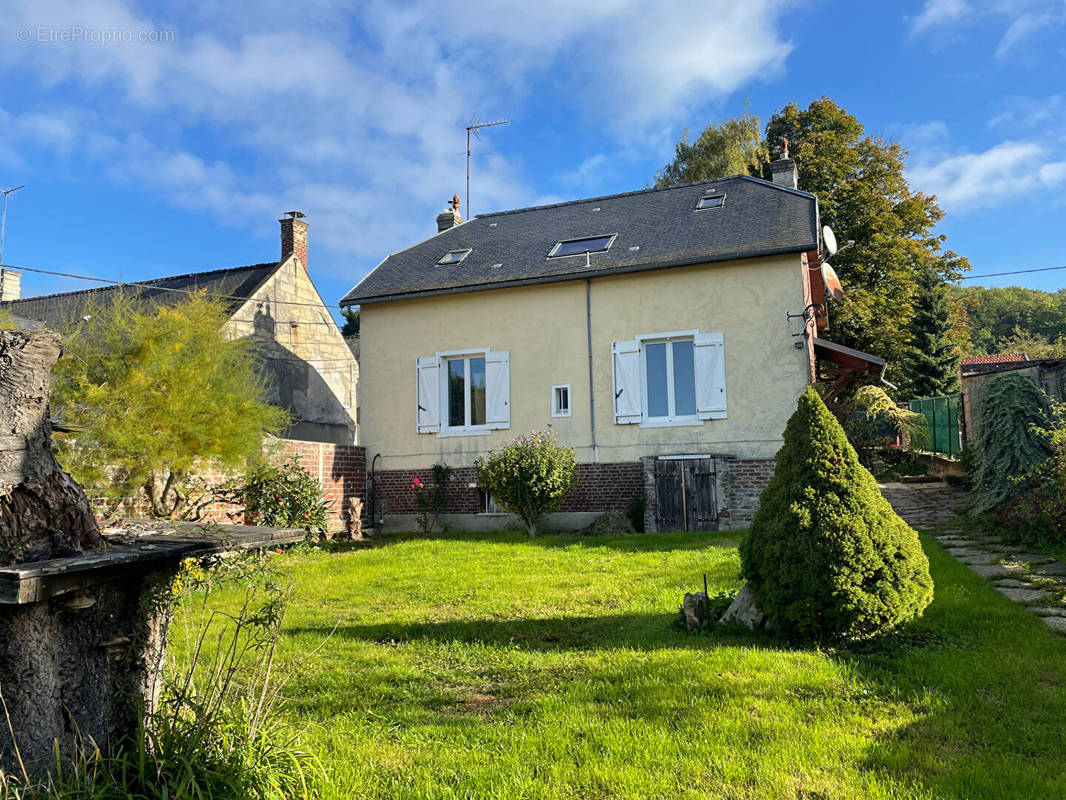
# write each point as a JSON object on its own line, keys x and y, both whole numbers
{"x": 81, "y": 663}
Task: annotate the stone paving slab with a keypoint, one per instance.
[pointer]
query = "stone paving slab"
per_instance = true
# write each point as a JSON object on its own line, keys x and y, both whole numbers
{"x": 1057, "y": 624}
{"x": 1051, "y": 611}
{"x": 1019, "y": 579}
{"x": 1025, "y": 596}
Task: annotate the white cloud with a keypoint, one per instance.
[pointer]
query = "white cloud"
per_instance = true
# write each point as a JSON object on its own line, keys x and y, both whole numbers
{"x": 983, "y": 180}
{"x": 1030, "y": 112}
{"x": 359, "y": 121}
{"x": 937, "y": 13}
{"x": 1021, "y": 29}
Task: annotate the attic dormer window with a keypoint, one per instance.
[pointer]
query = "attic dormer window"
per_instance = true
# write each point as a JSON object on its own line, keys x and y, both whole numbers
{"x": 454, "y": 256}
{"x": 710, "y": 201}
{"x": 578, "y": 247}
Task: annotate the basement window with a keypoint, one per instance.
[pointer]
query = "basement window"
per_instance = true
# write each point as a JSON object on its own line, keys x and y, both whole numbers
{"x": 710, "y": 201}
{"x": 578, "y": 247}
{"x": 454, "y": 256}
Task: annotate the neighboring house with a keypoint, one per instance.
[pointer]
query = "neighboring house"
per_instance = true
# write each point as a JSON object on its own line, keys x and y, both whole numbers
{"x": 309, "y": 369}
{"x": 663, "y": 334}
{"x": 1048, "y": 373}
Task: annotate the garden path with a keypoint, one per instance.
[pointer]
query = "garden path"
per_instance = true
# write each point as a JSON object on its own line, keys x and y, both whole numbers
{"x": 1031, "y": 579}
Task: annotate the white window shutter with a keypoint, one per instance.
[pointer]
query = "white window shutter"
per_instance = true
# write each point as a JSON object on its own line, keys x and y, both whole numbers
{"x": 428, "y": 394}
{"x": 627, "y": 393}
{"x": 709, "y": 356}
{"x": 498, "y": 389}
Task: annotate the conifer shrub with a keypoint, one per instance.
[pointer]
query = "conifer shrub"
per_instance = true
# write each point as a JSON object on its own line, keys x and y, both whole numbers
{"x": 827, "y": 557}
{"x": 1009, "y": 413}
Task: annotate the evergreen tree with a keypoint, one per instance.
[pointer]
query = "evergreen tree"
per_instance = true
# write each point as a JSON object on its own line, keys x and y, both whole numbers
{"x": 826, "y": 556}
{"x": 934, "y": 357}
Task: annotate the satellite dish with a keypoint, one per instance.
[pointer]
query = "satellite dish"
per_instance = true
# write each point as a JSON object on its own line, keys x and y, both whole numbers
{"x": 832, "y": 282}
{"x": 829, "y": 239}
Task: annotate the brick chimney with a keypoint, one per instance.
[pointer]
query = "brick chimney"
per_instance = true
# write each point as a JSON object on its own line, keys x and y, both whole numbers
{"x": 10, "y": 285}
{"x": 784, "y": 169}
{"x": 294, "y": 236}
{"x": 450, "y": 217}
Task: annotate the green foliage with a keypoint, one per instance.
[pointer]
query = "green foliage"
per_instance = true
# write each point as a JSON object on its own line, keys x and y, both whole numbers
{"x": 635, "y": 512}
{"x": 862, "y": 194}
{"x": 162, "y": 394}
{"x": 431, "y": 499}
{"x": 826, "y": 556}
{"x": 1010, "y": 319}
{"x": 734, "y": 147}
{"x": 282, "y": 496}
{"x": 867, "y": 409}
{"x": 351, "y": 321}
{"x": 933, "y": 361}
{"x": 529, "y": 476}
{"x": 1008, "y": 412}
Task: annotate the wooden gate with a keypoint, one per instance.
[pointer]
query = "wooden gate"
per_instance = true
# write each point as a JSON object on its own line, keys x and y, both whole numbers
{"x": 685, "y": 494}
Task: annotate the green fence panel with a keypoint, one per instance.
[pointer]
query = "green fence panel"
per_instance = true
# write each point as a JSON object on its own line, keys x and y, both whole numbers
{"x": 942, "y": 415}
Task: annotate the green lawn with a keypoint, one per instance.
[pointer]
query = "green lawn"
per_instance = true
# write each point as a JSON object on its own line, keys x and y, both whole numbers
{"x": 492, "y": 666}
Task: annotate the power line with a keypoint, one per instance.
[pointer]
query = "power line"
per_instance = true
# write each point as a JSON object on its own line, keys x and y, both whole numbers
{"x": 1011, "y": 272}
{"x": 156, "y": 287}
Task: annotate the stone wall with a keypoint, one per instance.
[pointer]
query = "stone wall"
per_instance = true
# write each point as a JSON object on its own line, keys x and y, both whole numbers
{"x": 340, "y": 469}
{"x": 739, "y": 484}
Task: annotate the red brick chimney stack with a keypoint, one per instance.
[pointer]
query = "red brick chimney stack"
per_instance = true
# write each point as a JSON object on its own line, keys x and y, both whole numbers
{"x": 294, "y": 236}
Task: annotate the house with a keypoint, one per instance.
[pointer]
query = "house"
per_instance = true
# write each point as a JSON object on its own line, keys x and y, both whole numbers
{"x": 309, "y": 369}
{"x": 664, "y": 334}
{"x": 1048, "y": 373}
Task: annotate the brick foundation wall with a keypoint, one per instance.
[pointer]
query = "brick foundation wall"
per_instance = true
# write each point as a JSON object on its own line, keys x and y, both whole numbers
{"x": 340, "y": 469}
{"x": 742, "y": 483}
{"x": 600, "y": 487}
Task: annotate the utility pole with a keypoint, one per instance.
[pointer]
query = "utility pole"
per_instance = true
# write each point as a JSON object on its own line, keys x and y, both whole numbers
{"x": 3, "y": 218}
{"x": 475, "y": 127}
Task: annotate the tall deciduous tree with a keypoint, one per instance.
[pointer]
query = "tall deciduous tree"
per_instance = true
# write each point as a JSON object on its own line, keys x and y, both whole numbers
{"x": 933, "y": 365}
{"x": 732, "y": 148}
{"x": 864, "y": 196}
{"x": 160, "y": 394}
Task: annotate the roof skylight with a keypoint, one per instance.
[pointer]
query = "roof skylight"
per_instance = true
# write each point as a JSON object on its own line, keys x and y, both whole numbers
{"x": 454, "y": 256}
{"x": 710, "y": 201}
{"x": 578, "y": 247}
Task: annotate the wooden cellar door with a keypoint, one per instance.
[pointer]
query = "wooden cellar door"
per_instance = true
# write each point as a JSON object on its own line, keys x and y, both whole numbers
{"x": 685, "y": 494}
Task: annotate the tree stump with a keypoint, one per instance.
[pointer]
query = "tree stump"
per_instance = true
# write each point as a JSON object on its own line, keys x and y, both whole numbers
{"x": 85, "y": 661}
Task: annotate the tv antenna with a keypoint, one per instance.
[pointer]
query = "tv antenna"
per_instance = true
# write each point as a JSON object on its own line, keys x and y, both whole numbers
{"x": 3, "y": 218}
{"x": 475, "y": 127}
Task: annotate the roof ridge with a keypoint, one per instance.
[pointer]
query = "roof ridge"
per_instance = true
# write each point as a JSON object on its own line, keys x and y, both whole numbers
{"x": 649, "y": 190}
{"x": 146, "y": 283}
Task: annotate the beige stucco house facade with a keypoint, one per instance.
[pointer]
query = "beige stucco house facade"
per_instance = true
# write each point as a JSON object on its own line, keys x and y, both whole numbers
{"x": 664, "y": 335}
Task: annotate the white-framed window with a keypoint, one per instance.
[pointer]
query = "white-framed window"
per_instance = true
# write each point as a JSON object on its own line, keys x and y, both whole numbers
{"x": 488, "y": 503}
{"x": 671, "y": 378}
{"x": 560, "y": 400}
{"x": 463, "y": 392}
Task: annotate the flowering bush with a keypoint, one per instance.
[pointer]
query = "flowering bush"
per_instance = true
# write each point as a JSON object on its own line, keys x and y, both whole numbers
{"x": 529, "y": 476}
{"x": 430, "y": 499}
{"x": 285, "y": 496}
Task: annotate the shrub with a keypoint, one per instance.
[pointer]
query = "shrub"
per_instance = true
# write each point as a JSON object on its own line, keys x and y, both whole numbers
{"x": 281, "y": 496}
{"x": 431, "y": 499}
{"x": 529, "y": 476}
{"x": 635, "y": 512}
{"x": 1038, "y": 513}
{"x": 1009, "y": 412}
{"x": 827, "y": 557}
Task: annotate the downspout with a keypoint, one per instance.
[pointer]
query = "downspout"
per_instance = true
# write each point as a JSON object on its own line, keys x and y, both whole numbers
{"x": 588, "y": 331}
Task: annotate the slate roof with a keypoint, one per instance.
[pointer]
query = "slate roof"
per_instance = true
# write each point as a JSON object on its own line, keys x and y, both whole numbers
{"x": 236, "y": 283}
{"x": 655, "y": 228}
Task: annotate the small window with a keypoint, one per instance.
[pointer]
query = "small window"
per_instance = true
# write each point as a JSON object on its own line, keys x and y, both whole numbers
{"x": 466, "y": 392}
{"x": 561, "y": 400}
{"x": 577, "y": 247}
{"x": 710, "y": 201}
{"x": 670, "y": 379}
{"x": 488, "y": 503}
{"x": 454, "y": 256}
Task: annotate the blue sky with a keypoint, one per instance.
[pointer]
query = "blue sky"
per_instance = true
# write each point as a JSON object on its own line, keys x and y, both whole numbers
{"x": 156, "y": 139}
